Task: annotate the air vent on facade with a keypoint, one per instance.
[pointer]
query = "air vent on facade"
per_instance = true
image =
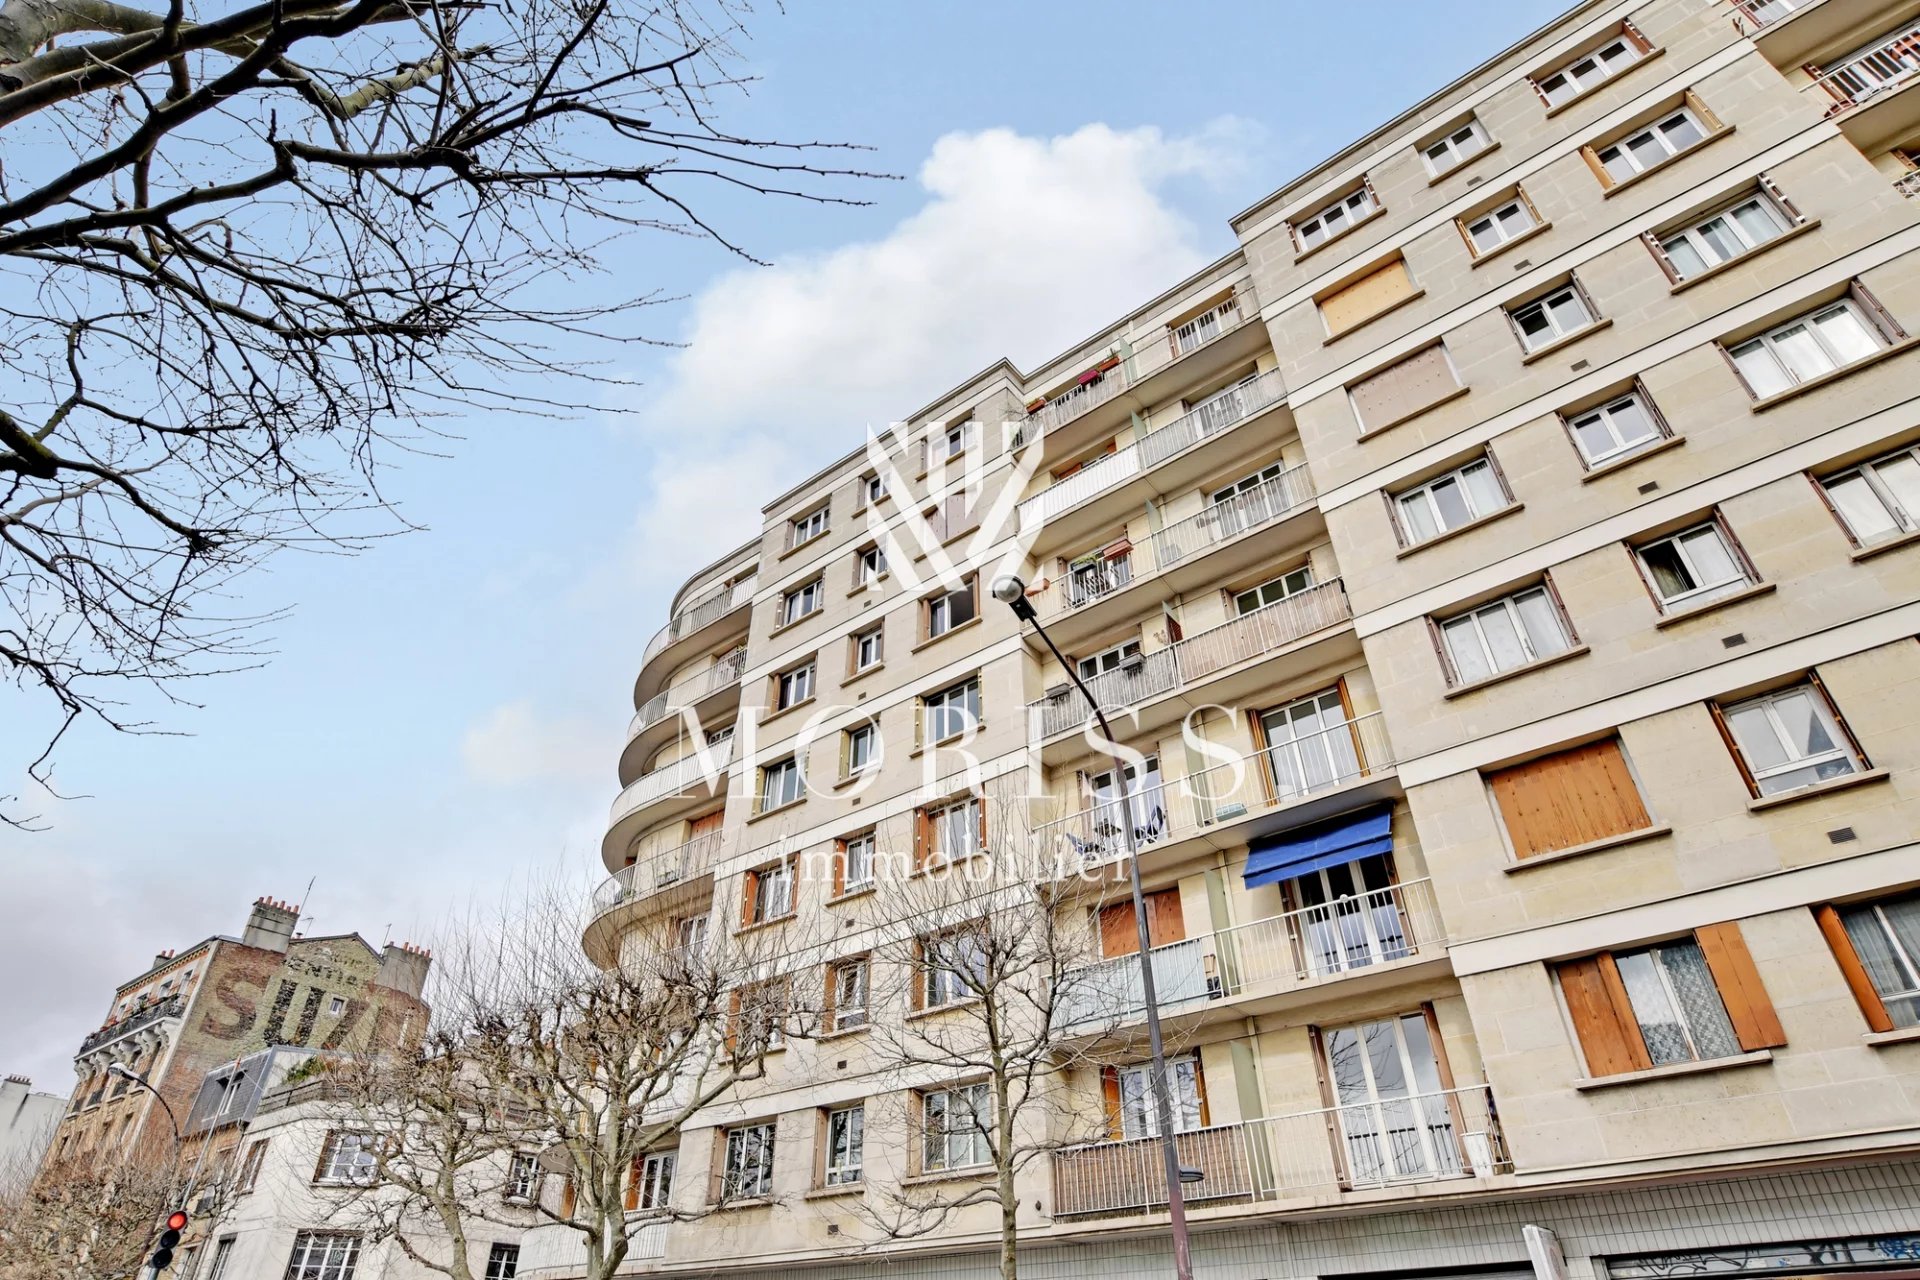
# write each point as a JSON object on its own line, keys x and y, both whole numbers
{"x": 1523, "y": 264}
{"x": 1840, "y": 835}
{"x": 1474, "y": 182}
{"x": 1649, "y": 486}
{"x": 1578, "y": 365}
{"x": 841, "y": 1065}
{"x": 1733, "y": 641}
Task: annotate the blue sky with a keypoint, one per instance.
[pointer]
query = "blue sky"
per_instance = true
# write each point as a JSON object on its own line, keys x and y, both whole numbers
{"x": 442, "y": 714}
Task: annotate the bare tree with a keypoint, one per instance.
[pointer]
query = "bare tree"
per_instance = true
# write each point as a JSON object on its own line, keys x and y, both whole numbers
{"x": 247, "y": 250}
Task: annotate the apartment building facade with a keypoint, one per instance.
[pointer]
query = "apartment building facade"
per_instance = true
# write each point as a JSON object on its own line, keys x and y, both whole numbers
{"x": 1501, "y": 568}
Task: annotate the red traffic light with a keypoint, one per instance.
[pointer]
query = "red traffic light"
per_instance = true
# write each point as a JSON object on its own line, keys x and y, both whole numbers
{"x": 177, "y": 1220}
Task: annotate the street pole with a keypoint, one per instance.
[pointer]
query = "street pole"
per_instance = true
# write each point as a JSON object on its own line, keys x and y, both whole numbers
{"x": 1012, "y": 592}
{"x": 125, "y": 1072}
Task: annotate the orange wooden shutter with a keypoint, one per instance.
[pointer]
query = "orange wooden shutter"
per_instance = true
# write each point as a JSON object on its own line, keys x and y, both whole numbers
{"x": 839, "y": 867}
{"x": 1200, "y": 1092}
{"x": 980, "y": 808}
{"x": 1119, "y": 936}
{"x": 748, "y": 884}
{"x": 1568, "y": 799}
{"x": 633, "y": 1184}
{"x": 1358, "y": 302}
{"x": 1872, "y": 1007}
{"x": 922, "y": 834}
{"x": 567, "y": 1197}
{"x": 1602, "y": 1019}
{"x": 1110, "y": 1092}
{"x": 1748, "y": 1007}
{"x": 1165, "y": 923}
{"x": 733, "y": 1021}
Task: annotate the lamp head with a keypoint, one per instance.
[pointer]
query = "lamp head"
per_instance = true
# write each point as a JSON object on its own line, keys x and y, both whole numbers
{"x": 122, "y": 1070}
{"x": 1007, "y": 589}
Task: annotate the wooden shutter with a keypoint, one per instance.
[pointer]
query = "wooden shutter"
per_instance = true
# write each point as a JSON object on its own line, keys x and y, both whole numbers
{"x": 839, "y": 867}
{"x": 733, "y": 1022}
{"x": 1751, "y": 1012}
{"x": 634, "y": 1174}
{"x": 749, "y": 884}
{"x": 1120, "y": 936}
{"x": 706, "y": 824}
{"x": 1360, "y": 301}
{"x": 1401, "y": 390}
{"x": 980, "y": 810}
{"x": 1567, "y": 799}
{"x": 1110, "y": 1093}
{"x": 567, "y": 1197}
{"x": 1872, "y": 1007}
{"x": 922, "y": 837}
{"x": 1602, "y": 1018}
{"x": 1165, "y": 923}
{"x": 1200, "y": 1091}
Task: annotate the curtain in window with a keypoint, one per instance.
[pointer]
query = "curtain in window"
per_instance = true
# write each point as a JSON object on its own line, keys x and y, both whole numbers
{"x": 1891, "y": 972}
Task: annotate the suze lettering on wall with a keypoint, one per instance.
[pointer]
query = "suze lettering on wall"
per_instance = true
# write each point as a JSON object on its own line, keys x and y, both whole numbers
{"x": 1823, "y": 1255}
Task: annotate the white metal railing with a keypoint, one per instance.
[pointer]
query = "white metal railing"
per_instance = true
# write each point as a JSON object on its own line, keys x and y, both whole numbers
{"x": 656, "y": 871}
{"x": 1887, "y": 65}
{"x": 1763, "y": 13}
{"x": 1908, "y": 184}
{"x": 1283, "y": 774}
{"x": 687, "y": 692}
{"x": 1300, "y": 948}
{"x": 557, "y": 1250}
{"x": 1089, "y": 580}
{"x": 697, "y": 613}
{"x": 1149, "y": 675}
{"x": 1215, "y": 414}
{"x": 1389, "y": 1141}
{"x": 677, "y": 778}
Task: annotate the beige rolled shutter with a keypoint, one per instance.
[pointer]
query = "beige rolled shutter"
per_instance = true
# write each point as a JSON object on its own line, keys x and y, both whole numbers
{"x": 1356, "y": 303}
{"x": 1401, "y": 390}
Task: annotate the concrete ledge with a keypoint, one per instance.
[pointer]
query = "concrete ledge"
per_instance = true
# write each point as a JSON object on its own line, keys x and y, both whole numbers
{"x": 1676, "y": 1069}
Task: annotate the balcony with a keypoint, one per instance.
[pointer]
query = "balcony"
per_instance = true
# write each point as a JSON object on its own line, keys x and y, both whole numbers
{"x": 1316, "y": 1156}
{"x": 657, "y": 871}
{"x": 558, "y": 1251}
{"x": 171, "y": 1007}
{"x": 1201, "y": 657}
{"x": 664, "y": 708}
{"x": 1280, "y": 954}
{"x": 699, "y": 618}
{"x": 669, "y": 791}
{"x": 1864, "y": 94}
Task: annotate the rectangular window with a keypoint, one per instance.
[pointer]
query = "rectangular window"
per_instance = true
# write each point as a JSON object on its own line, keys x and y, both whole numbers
{"x": 222, "y": 1256}
{"x": 653, "y": 1181}
{"x": 1568, "y": 799}
{"x": 1503, "y": 635}
{"x": 1546, "y": 320}
{"x": 1878, "y": 947}
{"x": 781, "y": 784}
{"x": 957, "y": 1127}
{"x": 523, "y": 1176}
{"x": 1805, "y": 348}
{"x": 1693, "y": 566}
{"x": 1107, "y": 659}
{"x": 872, "y": 489}
{"x": 769, "y": 892}
{"x": 794, "y": 687}
{"x": 802, "y": 602}
{"x": 950, "y": 831}
{"x": 954, "y": 443}
{"x": 1616, "y": 428}
{"x": 323, "y": 1255}
{"x": 747, "y": 1173}
{"x": 1342, "y": 215}
{"x": 1404, "y": 389}
{"x": 1140, "y": 1114}
{"x": 348, "y": 1159}
{"x": 1678, "y": 1009}
{"x": 953, "y": 966}
{"x": 945, "y": 612}
{"x": 807, "y": 528}
{"x": 868, "y": 648}
{"x": 1880, "y": 499}
{"x": 1590, "y": 70}
{"x": 1732, "y": 232}
{"x": 1789, "y": 739}
{"x": 503, "y": 1262}
{"x": 856, "y": 863}
{"x": 1273, "y": 591}
{"x": 1443, "y": 155}
{"x": 760, "y": 1017}
{"x": 847, "y": 994}
{"x": 846, "y": 1143}
{"x": 1488, "y": 231}
{"x": 1644, "y": 148}
{"x": 1459, "y": 497}
{"x": 863, "y": 748}
{"x": 869, "y": 566}
{"x": 952, "y": 711}
{"x": 250, "y": 1166}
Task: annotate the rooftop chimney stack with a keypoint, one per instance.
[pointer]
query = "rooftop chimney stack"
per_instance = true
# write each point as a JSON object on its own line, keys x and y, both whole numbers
{"x": 162, "y": 957}
{"x": 270, "y": 925}
{"x": 404, "y": 966}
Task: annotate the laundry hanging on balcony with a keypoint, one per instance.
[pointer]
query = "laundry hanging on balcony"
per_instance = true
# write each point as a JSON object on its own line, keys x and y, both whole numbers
{"x": 1332, "y": 843}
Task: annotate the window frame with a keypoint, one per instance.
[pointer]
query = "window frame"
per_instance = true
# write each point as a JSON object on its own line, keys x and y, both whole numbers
{"x": 1602, "y": 413}
{"x": 1705, "y": 593}
{"x": 1473, "y": 129}
{"x": 1236, "y": 597}
{"x": 1355, "y": 206}
{"x": 967, "y": 695}
{"x": 654, "y": 1177}
{"x": 1509, "y": 600}
{"x": 977, "y": 1137}
{"x": 763, "y": 801}
{"x": 223, "y": 1256}
{"x": 249, "y": 1176}
{"x": 851, "y": 1172}
{"x": 867, "y": 731}
{"x": 1674, "y": 999}
{"x": 838, "y": 996}
{"x": 845, "y": 883}
{"x": 1655, "y": 130}
{"x": 771, "y": 884}
{"x": 502, "y": 1252}
{"x": 1690, "y": 232}
{"x": 796, "y": 685}
{"x": 363, "y": 1167}
{"x": 1877, "y": 1004}
{"x": 1545, "y": 304}
{"x": 793, "y": 603}
{"x": 1491, "y": 217}
{"x": 1905, "y": 522}
{"x": 733, "y": 1164}
{"x": 856, "y": 642}
{"x": 869, "y": 565}
{"x": 327, "y": 1267}
{"x": 1871, "y": 318}
{"x": 520, "y": 1187}
{"x": 943, "y": 986}
{"x": 1825, "y": 712}
{"x": 1635, "y": 45}
{"x": 1397, "y": 500}
{"x": 809, "y": 527}
{"x": 936, "y": 819}
{"x": 932, "y": 609}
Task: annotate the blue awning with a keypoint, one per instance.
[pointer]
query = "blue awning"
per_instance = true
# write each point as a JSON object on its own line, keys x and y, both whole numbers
{"x": 1332, "y": 843}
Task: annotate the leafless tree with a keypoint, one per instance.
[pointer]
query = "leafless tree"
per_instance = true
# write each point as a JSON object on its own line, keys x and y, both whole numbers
{"x": 250, "y": 249}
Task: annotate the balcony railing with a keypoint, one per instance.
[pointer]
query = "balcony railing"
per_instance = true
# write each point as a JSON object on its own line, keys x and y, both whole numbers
{"x": 171, "y": 1007}
{"x": 1209, "y": 418}
{"x": 1908, "y": 184}
{"x": 1425, "y": 1137}
{"x": 1300, "y": 948}
{"x": 1138, "y": 362}
{"x": 684, "y": 694}
{"x": 1309, "y": 764}
{"x": 711, "y": 607}
{"x": 1887, "y": 65}
{"x": 678, "y": 778}
{"x": 555, "y": 1250}
{"x": 657, "y": 871}
{"x": 1150, "y": 675}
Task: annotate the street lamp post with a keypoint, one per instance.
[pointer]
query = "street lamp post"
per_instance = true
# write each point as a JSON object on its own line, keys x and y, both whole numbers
{"x": 1012, "y": 592}
{"x": 124, "y": 1072}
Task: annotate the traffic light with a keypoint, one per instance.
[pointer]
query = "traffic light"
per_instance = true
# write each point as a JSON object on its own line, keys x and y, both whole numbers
{"x": 163, "y": 1250}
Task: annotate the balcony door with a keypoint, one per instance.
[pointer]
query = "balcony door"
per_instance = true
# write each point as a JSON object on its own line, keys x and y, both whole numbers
{"x": 1247, "y": 501}
{"x": 1309, "y": 746}
{"x": 1093, "y": 576}
{"x": 1291, "y": 583}
{"x": 1347, "y": 917}
{"x": 1140, "y": 1114}
{"x": 1393, "y": 1116}
{"x": 1145, "y": 805}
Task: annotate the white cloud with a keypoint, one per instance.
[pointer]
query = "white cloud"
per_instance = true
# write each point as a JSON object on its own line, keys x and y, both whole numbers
{"x": 514, "y": 744}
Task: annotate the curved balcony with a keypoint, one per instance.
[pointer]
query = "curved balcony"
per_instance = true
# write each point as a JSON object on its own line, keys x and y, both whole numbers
{"x": 631, "y": 891}
{"x": 658, "y": 718}
{"x": 557, "y": 1250}
{"x": 139, "y": 1019}
{"x": 706, "y": 620}
{"x": 668, "y": 792}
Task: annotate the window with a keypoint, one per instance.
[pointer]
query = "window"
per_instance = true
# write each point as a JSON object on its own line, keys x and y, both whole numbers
{"x": 801, "y": 602}
{"x": 954, "y": 443}
{"x": 808, "y": 527}
{"x": 1878, "y": 500}
{"x": 503, "y": 1262}
{"x": 523, "y": 1176}
{"x": 1488, "y": 231}
{"x": 953, "y": 966}
{"x": 748, "y": 1171}
{"x": 1546, "y": 320}
{"x": 1693, "y": 566}
{"x": 1615, "y": 429}
{"x": 1342, "y": 215}
{"x": 793, "y": 687}
{"x": 1394, "y": 1118}
{"x": 1446, "y": 502}
{"x": 1805, "y": 348}
{"x": 1644, "y": 148}
{"x": 323, "y": 1255}
{"x": 348, "y": 1158}
{"x": 856, "y": 862}
{"x": 952, "y": 711}
{"x": 690, "y": 941}
{"x": 222, "y": 1255}
{"x": 1568, "y": 799}
{"x": 1789, "y": 739}
{"x": 1590, "y": 70}
{"x": 863, "y": 748}
{"x": 769, "y": 892}
{"x": 952, "y": 830}
{"x": 1108, "y": 659}
{"x": 1455, "y": 149}
{"x": 1310, "y": 745}
{"x": 872, "y": 489}
{"x": 956, "y": 1126}
{"x": 1274, "y": 591}
{"x": 760, "y": 1017}
{"x": 846, "y": 1139}
{"x": 847, "y": 994}
{"x": 1140, "y": 1114}
{"x": 781, "y": 784}
{"x": 1738, "y": 229}
{"x": 869, "y": 566}
{"x": 1504, "y": 634}
{"x": 867, "y": 648}
{"x": 945, "y": 612}
{"x": 652, "y": 1183}
{"x": 1878, "y": 947}
{"x": 250, "y": 1166}
{"x": 1690, "y": 999}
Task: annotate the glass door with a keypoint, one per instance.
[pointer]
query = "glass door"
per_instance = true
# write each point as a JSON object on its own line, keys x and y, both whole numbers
{"x": 1395, "y": 1124}
{"x": 1310, "y": 746}
{"x": 1145, "y": 804}
{"x": 1348, "y": 917}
